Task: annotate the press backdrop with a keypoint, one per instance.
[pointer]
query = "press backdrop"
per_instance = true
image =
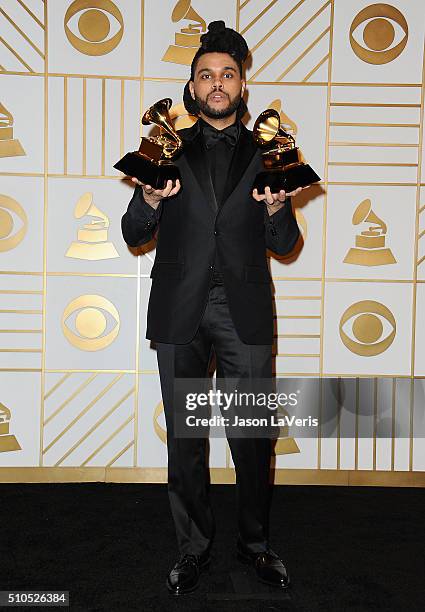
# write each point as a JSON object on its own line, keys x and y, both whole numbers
{"x": 79, "y": 387}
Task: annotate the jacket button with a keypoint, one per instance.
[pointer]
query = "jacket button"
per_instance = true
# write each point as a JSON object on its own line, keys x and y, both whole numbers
{"x": 215, "y": 232}
{"x": 211, "y": 267}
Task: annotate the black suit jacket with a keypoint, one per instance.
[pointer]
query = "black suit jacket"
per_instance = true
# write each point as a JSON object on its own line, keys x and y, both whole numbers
{"x": 192, "y": 227}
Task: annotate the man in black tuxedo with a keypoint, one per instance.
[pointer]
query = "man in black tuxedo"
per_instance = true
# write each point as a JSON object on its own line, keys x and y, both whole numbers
{"x": 211, "y": 292}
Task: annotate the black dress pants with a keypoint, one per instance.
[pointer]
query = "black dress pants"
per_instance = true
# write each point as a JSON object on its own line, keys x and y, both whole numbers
{"x": 188, "y": 473}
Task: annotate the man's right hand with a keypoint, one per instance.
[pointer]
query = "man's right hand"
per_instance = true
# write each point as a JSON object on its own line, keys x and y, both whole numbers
{"x": 154, "y": 196}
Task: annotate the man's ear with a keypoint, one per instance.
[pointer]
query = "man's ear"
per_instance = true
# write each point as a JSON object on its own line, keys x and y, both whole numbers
{"x": 192, "y": 89}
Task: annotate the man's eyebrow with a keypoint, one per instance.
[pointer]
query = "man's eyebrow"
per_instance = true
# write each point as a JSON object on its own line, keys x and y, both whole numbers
{"x": 209, "y": 69}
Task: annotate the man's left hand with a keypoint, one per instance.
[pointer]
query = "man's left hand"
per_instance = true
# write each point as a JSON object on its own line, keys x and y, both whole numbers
{"x": 275, "y": 201}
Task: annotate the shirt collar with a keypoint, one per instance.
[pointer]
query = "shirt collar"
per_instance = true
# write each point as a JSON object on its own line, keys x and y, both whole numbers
{"x": 203, "y": 123}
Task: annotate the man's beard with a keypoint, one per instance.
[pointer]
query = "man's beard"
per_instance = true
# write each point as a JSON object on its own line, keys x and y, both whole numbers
{"x": 222, "y": 113}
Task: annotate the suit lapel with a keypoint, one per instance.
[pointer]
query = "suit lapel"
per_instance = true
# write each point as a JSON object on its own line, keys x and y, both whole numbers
{"x": 196, "y": 159}
{"x": 242, "y": 156}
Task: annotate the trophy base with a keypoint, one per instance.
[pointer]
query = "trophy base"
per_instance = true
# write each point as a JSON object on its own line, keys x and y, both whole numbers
{"x": 11, "y": 148}
{"x": 149, "y": 173}
{"x": 286, "y": 446}
{"x": 369, "y": 257}
{"x": 92, "y": 251}
{"x": 300, "y": 175}
{"x": 9, "y": 443}
{"x": 181, "y": 55}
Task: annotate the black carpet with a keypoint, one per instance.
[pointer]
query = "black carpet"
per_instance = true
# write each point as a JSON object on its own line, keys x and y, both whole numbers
{"x": 112, "y": 545}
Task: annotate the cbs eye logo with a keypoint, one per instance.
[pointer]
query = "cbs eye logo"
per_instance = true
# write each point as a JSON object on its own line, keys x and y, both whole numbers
{"x": 385, "y": 26}
{"x": 89, "y": 314}
{"x": 373, "y": 334}
{"x": 7, "y": 223}
{"x": 95, "y": 20}
{"x": 159, "y": 430}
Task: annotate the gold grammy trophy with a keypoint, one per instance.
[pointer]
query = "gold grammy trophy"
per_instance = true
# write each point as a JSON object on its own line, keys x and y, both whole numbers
{"x": 370, "y": 247}
{"x": 283, "y": 168}
{"x": 286, "y": 123}
{"x": 152, "y": 164}
{"x": 188, "y": 39}
{"x": 92, "y": 243}
{"x": 8, "y": 441}
{"x": 9, "y": 147}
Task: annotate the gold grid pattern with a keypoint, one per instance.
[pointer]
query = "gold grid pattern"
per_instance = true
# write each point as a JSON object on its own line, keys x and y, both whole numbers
{"x": 24, "y": 53}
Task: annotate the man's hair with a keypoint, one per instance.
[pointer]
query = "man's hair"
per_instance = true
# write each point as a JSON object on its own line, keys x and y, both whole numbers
{"x": 218, "y": 39}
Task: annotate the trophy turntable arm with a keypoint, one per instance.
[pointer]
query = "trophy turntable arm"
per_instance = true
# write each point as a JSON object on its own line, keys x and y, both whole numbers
{"x": 282, "y": 231}
{"x": 140, "y": 221}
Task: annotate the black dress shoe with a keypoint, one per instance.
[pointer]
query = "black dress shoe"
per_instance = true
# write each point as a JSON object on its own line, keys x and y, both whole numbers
{"x": 184, "y": 577}
{"x": 268, "y": 567}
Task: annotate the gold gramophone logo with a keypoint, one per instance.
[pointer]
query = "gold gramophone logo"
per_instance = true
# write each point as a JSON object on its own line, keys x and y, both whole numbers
{"x": 9, "y": 146}
{"x": 285, "y": 444}
{"x": 187, "y": 41}
{"x": 94, "y": 20}
{"x": 8, "y": 441}
{"x": 89, "y": 315}
{"x": 370, "y": 249}
{"x": 373, "y": 328}
{"x": 7, "y": 223}
{"x": 385, "y": 34}
{"x": 92, "y": 239}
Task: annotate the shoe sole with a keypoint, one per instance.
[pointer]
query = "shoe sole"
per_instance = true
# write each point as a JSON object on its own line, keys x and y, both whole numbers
{"x": 248, "y": 561}
{"x": 202, "y": 567}
{"x": 273, "y": 584}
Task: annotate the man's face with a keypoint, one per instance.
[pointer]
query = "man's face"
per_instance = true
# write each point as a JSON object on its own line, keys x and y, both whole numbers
{"x": 217, "y": 86}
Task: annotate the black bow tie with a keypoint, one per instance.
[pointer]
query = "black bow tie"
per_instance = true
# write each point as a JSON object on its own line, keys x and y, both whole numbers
{"x": 212, "y": 135}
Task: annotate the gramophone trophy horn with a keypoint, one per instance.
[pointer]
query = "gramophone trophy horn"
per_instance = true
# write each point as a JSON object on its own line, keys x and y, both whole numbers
{"x": 184, "y": 10}
{"x": 283, "y": 168}
{"x": 152, "y": 163}
{"x": 158, "y": 115}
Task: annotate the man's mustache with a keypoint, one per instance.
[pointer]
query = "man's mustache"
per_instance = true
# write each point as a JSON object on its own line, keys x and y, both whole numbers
{"x": 214, "y": 93}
